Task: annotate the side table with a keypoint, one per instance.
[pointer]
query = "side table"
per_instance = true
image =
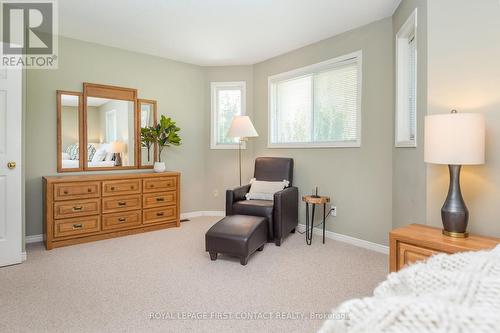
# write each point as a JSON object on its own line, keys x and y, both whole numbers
{"x": 314, "y": 200}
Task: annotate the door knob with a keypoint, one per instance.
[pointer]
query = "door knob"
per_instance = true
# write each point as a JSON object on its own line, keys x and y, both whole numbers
{"x": 11, "y": 165}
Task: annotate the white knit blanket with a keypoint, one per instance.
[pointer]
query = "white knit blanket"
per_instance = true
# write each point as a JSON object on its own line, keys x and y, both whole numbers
{"x": 447, "y": 293}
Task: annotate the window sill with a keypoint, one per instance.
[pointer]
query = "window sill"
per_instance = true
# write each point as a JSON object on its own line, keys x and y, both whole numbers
{"x": 228, "y": 147}
{"x": 313, "y": 145}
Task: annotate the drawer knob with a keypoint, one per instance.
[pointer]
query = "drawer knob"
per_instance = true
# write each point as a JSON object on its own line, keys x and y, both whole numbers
{"x": 132, "y": 187}
{"x": 160, "y": 214}
{"x": 160, "y": 199}
{"x": 89, "y": 190}
{"x": 65, "y": 192}
{"x": 122, "y": 219}
{"x": 77, "y": 208}
{"x": 122, "y": 203}
{"x": 77, "y": 226}
{"x": 112, "y": 188}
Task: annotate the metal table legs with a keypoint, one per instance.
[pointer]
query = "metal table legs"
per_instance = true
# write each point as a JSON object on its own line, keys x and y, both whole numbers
{"x": 310, "y": 223}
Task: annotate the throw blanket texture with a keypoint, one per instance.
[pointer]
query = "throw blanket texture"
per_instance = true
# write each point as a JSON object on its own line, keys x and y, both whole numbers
{"x": 447, "y": 293}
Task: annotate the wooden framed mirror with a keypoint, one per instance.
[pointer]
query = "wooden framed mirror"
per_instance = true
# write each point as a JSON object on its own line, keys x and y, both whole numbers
{"x": 109, "y": 127}
{"x": 107, "y": 121}
{"x": 147, "y": 117}
{"x": 69, "y": 131}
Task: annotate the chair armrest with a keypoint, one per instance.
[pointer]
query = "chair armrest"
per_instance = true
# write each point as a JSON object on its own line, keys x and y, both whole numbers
{"x": 286, "y": 211}
{"x": 234, "y": 195}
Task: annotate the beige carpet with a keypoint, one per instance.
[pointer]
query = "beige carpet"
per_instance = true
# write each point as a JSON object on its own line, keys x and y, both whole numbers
{"x": 114, "y": 285}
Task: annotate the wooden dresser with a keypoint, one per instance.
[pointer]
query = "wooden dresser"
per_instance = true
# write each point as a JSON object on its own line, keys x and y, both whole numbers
{"x": 417, "y": 242}
{"x": 86, "y": 208}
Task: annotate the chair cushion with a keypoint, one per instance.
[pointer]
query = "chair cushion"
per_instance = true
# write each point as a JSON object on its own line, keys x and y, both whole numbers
{"x": 263, "y": 208}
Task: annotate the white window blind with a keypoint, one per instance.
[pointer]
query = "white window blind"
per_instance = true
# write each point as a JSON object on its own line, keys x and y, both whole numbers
{"x": 318, "y": 105}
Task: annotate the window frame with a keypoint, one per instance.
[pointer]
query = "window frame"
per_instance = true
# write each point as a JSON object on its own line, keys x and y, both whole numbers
{"x": 356, "y": 57}
{"x": 408, "y": 31}
{"x": 214, "y": 87}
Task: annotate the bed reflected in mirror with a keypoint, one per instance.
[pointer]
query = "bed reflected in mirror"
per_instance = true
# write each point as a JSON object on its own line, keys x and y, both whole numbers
{"x": 110, "y": 133}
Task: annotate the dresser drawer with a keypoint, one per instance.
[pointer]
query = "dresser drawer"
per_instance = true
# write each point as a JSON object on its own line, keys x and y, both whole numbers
{"x": 158, "y": 215}
{"x": 75, "y": 208}
{"x": 121, "y": 187}
{"x": 160, "y": 184}
{"x": 77, "y": 190}
{"x": 409, "y": 254}
{"x": 77, "y": 226}
{"x": 121, "y": 204}
{"x": 121, "y": 220}
{"x": 153, "y": 200}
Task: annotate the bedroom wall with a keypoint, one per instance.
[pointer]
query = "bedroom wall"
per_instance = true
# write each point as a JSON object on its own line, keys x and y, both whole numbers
{"x": 408, "y": 167}
{"x": 221, "y": 165}
{"x": 69, "y": 116}
{"x": 179, "y": 88}
{"x": 359, "y": 180}
{"x": 464, "y": 73}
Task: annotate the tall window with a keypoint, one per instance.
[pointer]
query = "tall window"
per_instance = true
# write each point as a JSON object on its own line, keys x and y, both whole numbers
{"x": 406, "y": 84}
{"x": 228, "y": 100}
{"x": 318, "y": 105}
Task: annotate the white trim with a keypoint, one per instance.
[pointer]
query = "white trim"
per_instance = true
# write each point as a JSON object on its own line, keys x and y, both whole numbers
{"x": 240, "y": 85}
{"x": 348, "y": 239}
{"x": 190, "y": 215}
{"x": 24, "y": 256}
{"x": 34, "y": 239}
{"x": 357, "y": 57}
{"x": 409, "y": 28}
{"x": 39, "y": 238}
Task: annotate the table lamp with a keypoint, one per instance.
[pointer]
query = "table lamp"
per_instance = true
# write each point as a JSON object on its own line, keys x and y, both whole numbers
{"x": 241, "y": 128}
{"x": 454, "y": 139}
{"x": 117, "y": 147}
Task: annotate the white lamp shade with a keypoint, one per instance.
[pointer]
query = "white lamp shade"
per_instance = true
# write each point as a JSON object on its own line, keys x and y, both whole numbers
{"x": 116, "y": 147}
{"x": 242, "y": 127}
{"x": 454, "y": 138}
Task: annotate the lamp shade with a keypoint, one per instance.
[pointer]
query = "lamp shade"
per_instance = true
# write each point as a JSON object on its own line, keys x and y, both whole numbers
{"x": 454, "y": 138}
{"x": 242, "y": 127}
{"x": 116, "y": 147}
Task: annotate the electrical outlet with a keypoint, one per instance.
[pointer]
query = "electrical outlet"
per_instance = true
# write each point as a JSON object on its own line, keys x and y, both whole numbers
{"x": 215, "y": 193}
{"x": 333, "y": 211}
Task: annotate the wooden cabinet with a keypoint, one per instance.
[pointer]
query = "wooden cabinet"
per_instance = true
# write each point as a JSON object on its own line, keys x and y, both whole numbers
{"x": 86, "y": 208}
{"x": 416, "y": 242}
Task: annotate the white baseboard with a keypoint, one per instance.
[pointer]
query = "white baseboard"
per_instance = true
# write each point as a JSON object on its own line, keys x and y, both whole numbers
{"x": 190, "y": 215}
{"x": 34, "y": 239}
{"x": 24, "y": 256}
{"x": 349, "y": 240}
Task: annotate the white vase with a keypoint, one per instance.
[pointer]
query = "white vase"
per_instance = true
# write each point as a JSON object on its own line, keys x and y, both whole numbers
{"x": 159, "y": 166}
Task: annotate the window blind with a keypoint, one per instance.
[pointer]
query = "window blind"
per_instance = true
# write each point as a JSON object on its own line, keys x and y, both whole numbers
{"x": 412, "y": 85}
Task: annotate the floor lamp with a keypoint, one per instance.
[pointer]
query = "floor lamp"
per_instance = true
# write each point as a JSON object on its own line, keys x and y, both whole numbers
{"x": 241, "y": 128}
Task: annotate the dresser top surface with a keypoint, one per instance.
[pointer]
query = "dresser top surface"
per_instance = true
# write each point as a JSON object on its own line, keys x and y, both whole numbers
{"x": 109, "y": 176}
{"x": 427, "y": 235}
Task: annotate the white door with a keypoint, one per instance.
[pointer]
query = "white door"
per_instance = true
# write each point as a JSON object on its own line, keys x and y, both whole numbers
{"x": 10, "y": 166}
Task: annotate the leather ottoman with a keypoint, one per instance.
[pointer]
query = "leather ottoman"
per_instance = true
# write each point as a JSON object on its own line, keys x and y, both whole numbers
{"x": 237, "y": 235}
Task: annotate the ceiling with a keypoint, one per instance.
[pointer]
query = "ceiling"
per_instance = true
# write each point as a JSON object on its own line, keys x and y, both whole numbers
{"x": 215, "y": 32}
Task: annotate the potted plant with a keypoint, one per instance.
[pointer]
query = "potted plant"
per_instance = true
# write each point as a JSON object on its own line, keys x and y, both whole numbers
{"x": 165, "y": 135}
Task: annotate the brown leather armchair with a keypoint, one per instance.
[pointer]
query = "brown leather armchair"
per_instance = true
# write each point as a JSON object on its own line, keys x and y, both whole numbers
{"x": 282, "y": 213}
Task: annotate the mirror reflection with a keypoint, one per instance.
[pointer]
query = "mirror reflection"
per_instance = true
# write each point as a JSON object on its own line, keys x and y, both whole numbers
{"x": 70, "y": 122}
{"x": 110, "y": 133}
{"x": 147, "y": 118}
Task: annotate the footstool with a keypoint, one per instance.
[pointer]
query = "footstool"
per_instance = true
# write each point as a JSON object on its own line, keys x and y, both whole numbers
{"x": 237, "y": 235}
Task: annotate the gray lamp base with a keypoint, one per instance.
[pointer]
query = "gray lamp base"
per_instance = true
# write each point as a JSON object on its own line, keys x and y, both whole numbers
{"x": 454, "y": 213}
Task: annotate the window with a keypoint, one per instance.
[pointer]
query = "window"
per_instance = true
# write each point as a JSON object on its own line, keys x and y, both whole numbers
{"x": 317, "y": 106}
{"x": 406, "y": 84}
{"x": 228, "y": 100}
{"x": 111, "y": 126}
